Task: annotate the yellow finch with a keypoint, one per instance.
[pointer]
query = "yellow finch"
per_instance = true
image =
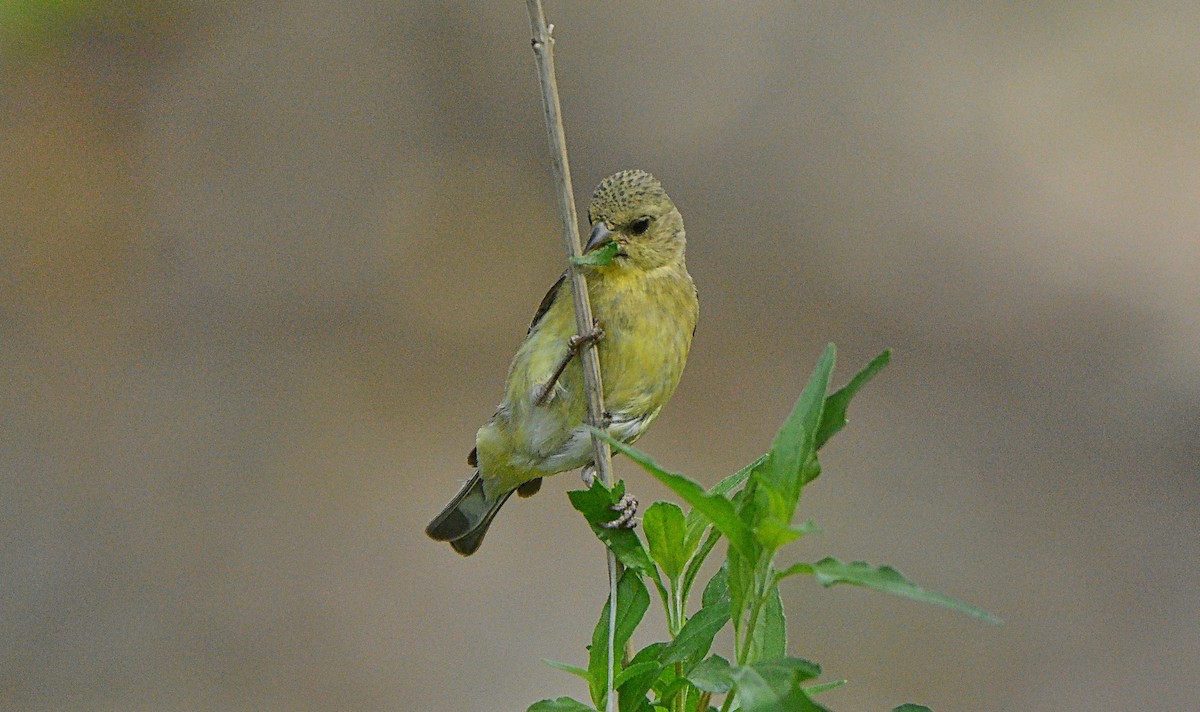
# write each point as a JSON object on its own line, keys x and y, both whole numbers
{"x": 645, "y": 307}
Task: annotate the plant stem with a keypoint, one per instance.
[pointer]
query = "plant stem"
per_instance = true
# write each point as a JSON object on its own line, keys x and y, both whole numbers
{"x": 543, "y": 52}
{"x": 761, "y": 589}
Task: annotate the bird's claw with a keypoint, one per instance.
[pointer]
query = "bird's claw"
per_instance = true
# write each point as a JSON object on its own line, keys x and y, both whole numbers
{"x": 588, "y": 475}
{"x": 544, "y": 393}
{"x": 592, "y": 337}
{"x": 627, "y": 506}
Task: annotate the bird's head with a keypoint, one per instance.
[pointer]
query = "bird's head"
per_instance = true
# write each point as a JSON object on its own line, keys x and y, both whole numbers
{"x": 632, "y": 209}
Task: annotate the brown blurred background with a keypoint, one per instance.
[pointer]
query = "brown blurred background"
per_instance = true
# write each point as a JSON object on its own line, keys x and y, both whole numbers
{"x": 262, "y": 267}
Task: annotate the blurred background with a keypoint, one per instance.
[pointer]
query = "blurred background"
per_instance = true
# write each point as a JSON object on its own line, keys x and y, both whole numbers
{"x": 263, "y": 266}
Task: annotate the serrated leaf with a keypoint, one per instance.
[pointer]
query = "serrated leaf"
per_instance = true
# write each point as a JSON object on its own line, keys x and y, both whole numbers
{"x": 600, "y": 257}
{"x": 696, "y": 636}
{"x": 910, "y": 707}
{"x": 833, "y": 419}
{"x": 718, "y": 509}
{"x": 573, "y": 669}
{"x": 632, "y": 601}
{"x": 663, "y": 524}
{"x": 562, "y": 704}
{"x": 830, "y": 571}
{"x": 712, "y": 674}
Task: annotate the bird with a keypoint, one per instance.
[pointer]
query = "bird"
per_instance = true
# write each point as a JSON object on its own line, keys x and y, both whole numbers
{"x": 645, "y": 306}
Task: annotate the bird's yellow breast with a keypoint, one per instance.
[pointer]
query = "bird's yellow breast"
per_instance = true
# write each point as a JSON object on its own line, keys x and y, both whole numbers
{"x": 648, "y": 319}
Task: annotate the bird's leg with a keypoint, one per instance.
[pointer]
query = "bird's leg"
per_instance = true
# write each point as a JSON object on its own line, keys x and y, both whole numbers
{"x": 627, "y": 506}
{"x": 588, "y": 473}
{"x": 576, "y": 342}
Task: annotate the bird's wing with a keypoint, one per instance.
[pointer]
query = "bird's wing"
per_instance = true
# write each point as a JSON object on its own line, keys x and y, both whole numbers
{"x": 547, "y": 301}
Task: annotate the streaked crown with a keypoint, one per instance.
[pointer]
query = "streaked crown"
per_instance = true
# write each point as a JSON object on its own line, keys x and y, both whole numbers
{"x": 625, "y": 192}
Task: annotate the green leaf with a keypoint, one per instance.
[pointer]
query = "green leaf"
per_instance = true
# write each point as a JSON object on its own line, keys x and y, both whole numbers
{"x": 823, "y": 687}
{"x": 910, "y": 707}
{"x": 783, "y": 670}
{"x": 718, "y": 509}
{"x": 756, "y": 694}
{"x": 635, "y": 670}
{"x": 773, "y": 535}
{"x": 651, "y": 652}
{"x": 673, "y": 689}
{"x": 717, "y": 589}
{"x": 668, "y": 683}
{"x": 712, "y": 675}
{"x": 632, "y": 601}
{"x": 740, "y": 580}
{"x": 664, "y": 526}
{"x": 697, "y": 522}
{"x": 833, "y": 419}
{"x": 600, "y": 257}
{"x": 696, "y": 636}
{"x": 770, "y": 632}
{"x": 562, "y": 704}
{"x": 697, "y": 560}
{"x": 794, "y": 446}
{"x": 635, "y": 687}
{"x": 574, "y": 670}
{"x": 595, "y": 504}
{"x": 829, "y": 571}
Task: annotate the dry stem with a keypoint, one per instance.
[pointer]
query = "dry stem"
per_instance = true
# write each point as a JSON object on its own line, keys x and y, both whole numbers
{"x": 543, "y": 51}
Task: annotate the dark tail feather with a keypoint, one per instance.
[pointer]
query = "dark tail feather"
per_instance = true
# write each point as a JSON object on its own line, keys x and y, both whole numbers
{"x": 465, "y": 521}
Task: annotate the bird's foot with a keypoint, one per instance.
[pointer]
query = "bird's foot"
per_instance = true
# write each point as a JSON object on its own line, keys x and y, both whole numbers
{"x": 544, "y": 393}
{"x": 627, "y": 506}
{"x": 588, "y": 475}
{"x": 592, "y": 337}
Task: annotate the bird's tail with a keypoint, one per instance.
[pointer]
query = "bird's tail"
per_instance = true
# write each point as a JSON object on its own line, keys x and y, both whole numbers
{"x": 465, "y": 521}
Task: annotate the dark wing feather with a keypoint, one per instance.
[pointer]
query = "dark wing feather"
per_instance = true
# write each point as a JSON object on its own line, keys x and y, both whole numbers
{"x": 547, "y": 301}
{"x": 697, "y": 291}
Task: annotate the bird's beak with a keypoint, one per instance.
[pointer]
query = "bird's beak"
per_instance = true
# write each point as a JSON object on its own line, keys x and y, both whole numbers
{"x": 600, "y": 236}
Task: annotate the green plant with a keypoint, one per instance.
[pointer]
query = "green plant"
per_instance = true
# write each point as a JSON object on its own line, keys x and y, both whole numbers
{"x": 753, "y": 510}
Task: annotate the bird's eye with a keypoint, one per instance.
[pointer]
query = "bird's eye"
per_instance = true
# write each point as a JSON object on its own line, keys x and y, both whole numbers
{"x": 639, "y": 226}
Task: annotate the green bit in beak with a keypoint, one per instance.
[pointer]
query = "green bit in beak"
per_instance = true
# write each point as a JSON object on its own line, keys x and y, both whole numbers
{"x": 601, "y": 235}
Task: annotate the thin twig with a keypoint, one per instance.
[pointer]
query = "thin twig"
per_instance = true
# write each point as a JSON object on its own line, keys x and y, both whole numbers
{"x": 543, "y": 52}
